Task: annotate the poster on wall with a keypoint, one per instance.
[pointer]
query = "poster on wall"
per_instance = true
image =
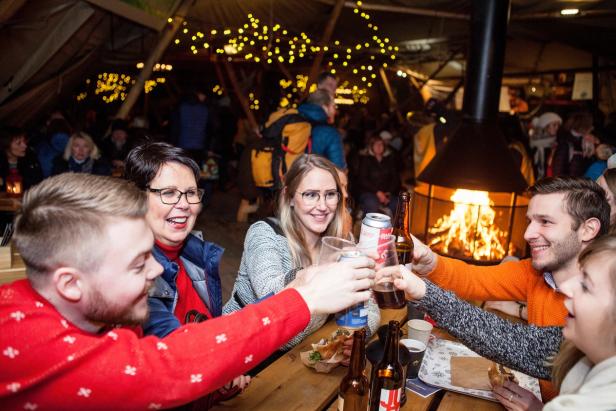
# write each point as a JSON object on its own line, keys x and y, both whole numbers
{"x": 582, "y": 87}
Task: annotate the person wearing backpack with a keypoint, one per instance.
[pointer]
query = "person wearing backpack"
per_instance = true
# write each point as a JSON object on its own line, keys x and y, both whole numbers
{"x": 320, "y": 110}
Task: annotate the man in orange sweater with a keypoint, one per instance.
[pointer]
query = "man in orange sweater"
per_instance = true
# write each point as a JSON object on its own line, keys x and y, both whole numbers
{"x": 564, "y": 215}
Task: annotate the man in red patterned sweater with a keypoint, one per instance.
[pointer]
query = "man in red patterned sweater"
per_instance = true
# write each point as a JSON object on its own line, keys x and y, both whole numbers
{"x": 87, "y": 247}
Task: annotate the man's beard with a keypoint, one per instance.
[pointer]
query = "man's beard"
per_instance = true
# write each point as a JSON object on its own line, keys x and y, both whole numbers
{"x": 101, "y": 311}
{"x": 562, "y": 253}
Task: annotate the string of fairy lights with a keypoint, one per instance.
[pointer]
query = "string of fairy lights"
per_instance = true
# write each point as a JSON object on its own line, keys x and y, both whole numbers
{"x": 257, "y": 42}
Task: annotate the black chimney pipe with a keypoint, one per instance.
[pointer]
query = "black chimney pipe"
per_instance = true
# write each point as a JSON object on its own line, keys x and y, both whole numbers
{"x": 476, "y": 156}
{"x": 486, "y": 58}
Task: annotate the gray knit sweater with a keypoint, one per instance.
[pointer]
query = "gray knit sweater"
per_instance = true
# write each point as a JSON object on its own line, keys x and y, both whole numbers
{"x": 521, "y": 347}
{"x": 267, "y": 267}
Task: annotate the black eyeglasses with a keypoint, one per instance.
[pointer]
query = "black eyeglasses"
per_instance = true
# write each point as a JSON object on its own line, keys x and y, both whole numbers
{"x": 311, "y": 198}
{"x": 173, "y": 195}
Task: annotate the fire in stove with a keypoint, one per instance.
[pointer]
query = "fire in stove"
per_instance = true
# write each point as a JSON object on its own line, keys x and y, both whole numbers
{"x": 469, "y": 229}
{"x": 476, "y": 226}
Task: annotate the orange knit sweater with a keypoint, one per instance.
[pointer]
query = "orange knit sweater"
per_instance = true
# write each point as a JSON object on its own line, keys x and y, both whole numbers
{"x": 511, "y": 281}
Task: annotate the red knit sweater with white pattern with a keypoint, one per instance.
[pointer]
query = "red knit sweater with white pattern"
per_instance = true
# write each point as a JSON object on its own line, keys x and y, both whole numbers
{"x": 48, "y": 363}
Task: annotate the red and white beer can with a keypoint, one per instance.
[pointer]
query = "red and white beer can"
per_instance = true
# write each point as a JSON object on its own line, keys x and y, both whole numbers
{"x": 376, "y": 231}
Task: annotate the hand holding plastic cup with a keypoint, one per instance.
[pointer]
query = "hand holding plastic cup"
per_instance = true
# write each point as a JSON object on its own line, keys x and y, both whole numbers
{"x": 332, "y": 248}
{"x": 385, "y": 293}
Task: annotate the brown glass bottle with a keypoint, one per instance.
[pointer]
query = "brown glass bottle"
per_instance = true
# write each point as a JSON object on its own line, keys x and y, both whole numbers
{"x": 353, "y": 390}
{"x": 401, "y": 228}
{"x": 388, "y": 381}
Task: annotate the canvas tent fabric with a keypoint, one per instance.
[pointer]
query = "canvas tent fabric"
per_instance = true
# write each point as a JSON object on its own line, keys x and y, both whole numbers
{"x": 48, "y": 46}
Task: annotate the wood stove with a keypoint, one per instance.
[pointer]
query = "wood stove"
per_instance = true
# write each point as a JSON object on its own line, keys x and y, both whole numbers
{"x": 469, "y": 202}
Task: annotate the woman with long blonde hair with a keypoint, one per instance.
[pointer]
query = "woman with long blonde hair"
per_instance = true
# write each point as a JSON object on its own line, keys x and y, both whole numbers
{"x": 277, "y": 250}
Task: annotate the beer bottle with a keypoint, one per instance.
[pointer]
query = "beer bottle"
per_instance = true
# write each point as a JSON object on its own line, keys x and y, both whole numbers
{"x": 388, "y": 381}
{"x": 401, "y": 228}
{"x": 353, "y": 391}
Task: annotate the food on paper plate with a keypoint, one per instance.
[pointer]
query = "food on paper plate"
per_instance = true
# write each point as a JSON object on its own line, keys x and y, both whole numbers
{"x": 498, "y": 374}
{"x": 327, "y": 353}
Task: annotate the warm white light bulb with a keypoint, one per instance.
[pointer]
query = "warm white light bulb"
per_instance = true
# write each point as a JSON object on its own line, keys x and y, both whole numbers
{"x": 569, "y": 12}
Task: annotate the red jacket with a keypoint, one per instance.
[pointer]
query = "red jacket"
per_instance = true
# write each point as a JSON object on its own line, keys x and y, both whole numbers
{"x": 48, "y": 363}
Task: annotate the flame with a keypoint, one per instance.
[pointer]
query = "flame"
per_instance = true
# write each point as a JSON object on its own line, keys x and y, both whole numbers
{"x": 469, "y": 228}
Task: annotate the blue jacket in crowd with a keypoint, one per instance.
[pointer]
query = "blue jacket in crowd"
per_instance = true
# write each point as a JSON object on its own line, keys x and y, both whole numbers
{"x": 326, "y": 140}
{"x": 201, "y": 260}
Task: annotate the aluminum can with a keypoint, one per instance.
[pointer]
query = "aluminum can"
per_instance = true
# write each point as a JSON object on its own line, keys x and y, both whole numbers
{"x": 375, "y": 231}
{"x": 354, "y": 317}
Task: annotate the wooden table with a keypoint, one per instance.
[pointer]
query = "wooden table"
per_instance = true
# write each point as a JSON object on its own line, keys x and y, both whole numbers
{"x": 17, "y": 270}
{"x": 9, "y": 204}
{"x": 287, "y": 384}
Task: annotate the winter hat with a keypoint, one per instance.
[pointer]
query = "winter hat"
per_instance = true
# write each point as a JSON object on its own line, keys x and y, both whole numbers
{"x": 543, "y": 120}
{"x": 386, "y": 135}
{"x": 611, "y": 162}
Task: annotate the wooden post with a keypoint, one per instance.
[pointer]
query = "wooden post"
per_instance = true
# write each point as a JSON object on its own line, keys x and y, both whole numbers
{"x": 221, "y": 78}
{"x": 393, "y": 103}
{"x": 155, "y": 55}
{"x": 327, "y": 34}
{"x": 284, "y": 70}
{"x": 240, "y": 96}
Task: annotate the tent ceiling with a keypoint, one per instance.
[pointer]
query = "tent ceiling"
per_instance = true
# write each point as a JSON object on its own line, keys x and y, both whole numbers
{"x": 539, "y": 39}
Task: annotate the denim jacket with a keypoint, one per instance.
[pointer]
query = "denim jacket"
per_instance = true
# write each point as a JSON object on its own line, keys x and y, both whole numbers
{"x": 201, "y": 260}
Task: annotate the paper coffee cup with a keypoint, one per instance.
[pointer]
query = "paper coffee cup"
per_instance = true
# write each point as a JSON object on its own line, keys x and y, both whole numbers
{"x": 419, "y": 330}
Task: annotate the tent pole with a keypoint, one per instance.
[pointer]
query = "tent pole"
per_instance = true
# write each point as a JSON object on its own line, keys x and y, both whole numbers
{"x": 327, "y": 34}
{"x": 155, "y": 55}
{"x": 221, "y": 78}
{"x": 240, "y": 96}
{"x": 393, "y": 103}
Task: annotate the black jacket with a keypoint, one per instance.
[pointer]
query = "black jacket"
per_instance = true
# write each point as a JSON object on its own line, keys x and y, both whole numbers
{"x": 28, "y": 167}
{"x": 374, "y": 176}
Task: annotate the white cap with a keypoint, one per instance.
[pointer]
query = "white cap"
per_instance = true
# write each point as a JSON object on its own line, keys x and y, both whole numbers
{"x": 611, "y": 162}
{"x": 386, "y": 135}
{"x": 547, "y": 118}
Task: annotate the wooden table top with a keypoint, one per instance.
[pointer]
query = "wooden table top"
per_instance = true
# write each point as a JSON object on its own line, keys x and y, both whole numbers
{"x": 17, "y": 271}
{"x": 287, "y": 384}
{"x": 9, "y": 204}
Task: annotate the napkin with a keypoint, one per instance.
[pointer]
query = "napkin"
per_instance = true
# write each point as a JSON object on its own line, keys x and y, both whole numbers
{"x": 470, "y": 372}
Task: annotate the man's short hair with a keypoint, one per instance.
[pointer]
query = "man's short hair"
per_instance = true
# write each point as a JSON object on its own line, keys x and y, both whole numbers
{"x": 584, "y": 199}
{"x": 62, "y": 220}
{"x": 320, "y": 98}
{"x": 324, "y": 76}
{"x": 144, "y": 161}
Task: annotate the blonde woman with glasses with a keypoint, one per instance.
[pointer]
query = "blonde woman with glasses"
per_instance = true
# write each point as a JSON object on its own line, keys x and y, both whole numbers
{"x": 277, "y": 250}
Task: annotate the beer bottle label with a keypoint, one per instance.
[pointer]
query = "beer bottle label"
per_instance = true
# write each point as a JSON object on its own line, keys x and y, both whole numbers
{"x": 340, "y": 403}
{"x": 390, "y": 400}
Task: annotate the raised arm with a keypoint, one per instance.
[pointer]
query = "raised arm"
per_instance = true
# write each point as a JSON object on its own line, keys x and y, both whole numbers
{"x": 523, "y": 347}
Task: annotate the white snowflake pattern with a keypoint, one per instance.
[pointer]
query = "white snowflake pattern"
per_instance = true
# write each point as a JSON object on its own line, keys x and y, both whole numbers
{"x": 30, "y": 406}
{"x": 266, "y": 321}
{"x": 11, "y": 352}
{"x": 130, "y": 370}
{"x": 161, "y": 346}
{"x": 112, "y": 335}
{"x": 248, "y": 359}
{"x": 13, "y": 387}
{"x": 37, "y": 304}
{"x": 64, "y": 323}
{"x": 194, "y": 378}
{"x": 69, "y": 339}
{"x": 84, "y": 392}
{"x": 221, "y": 338}
{"x": 154, "y": 406}
{"x": 18, "y": 316}
{"x": 70, "y": 357}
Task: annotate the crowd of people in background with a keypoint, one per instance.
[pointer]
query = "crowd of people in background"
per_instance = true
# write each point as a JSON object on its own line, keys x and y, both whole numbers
{"x": 358, "y": 163}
